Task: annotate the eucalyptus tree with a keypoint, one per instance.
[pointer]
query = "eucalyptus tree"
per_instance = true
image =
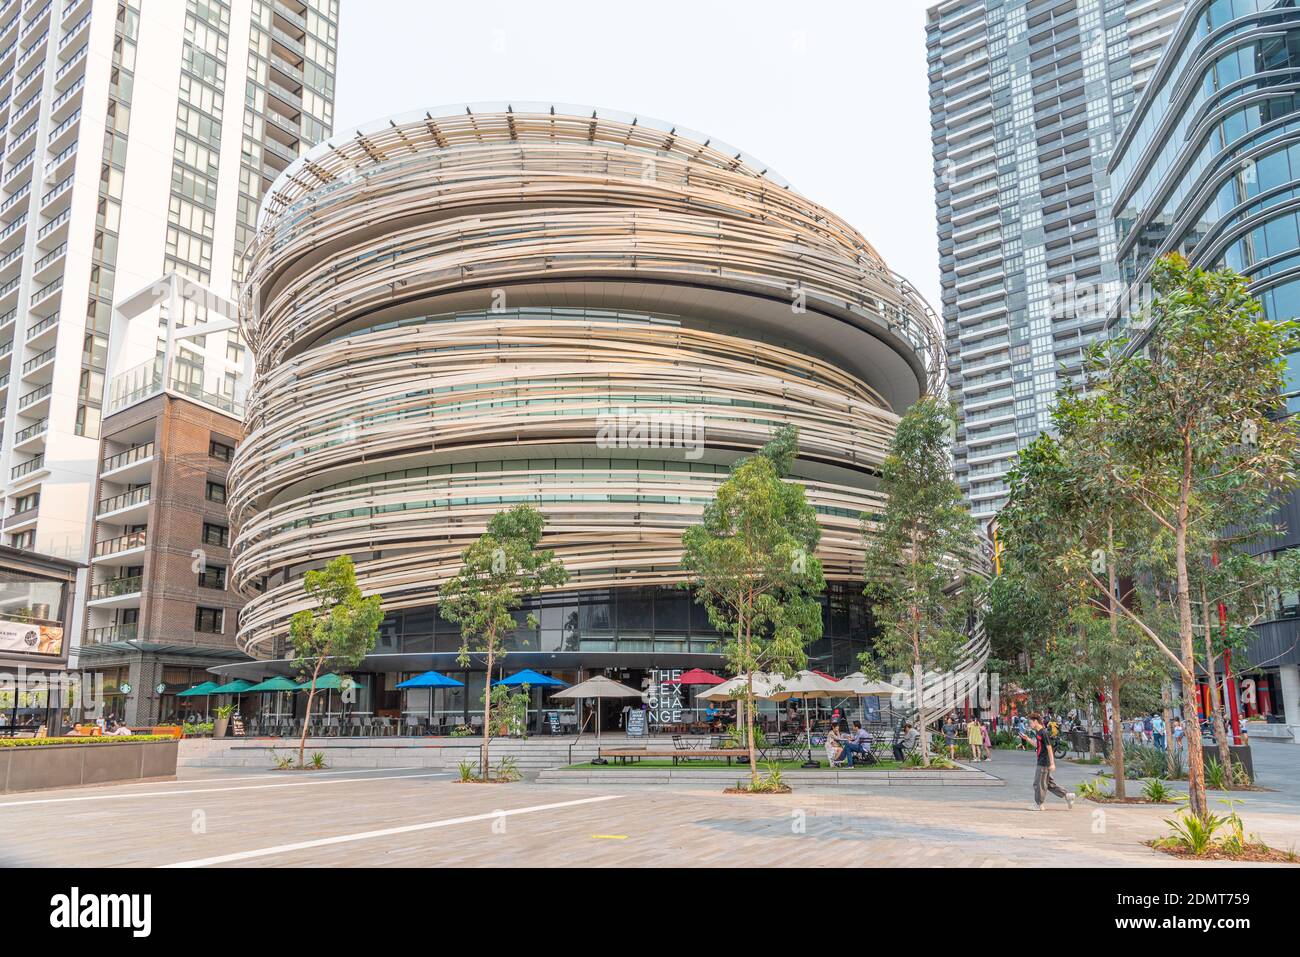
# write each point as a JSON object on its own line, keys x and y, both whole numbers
{"x": 916, "y": 550}
{"x": 497, "y": 572}
{"x": 753, "y": 566}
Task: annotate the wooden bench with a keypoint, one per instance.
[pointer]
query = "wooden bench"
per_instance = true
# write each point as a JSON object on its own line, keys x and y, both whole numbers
{"x": 623, "y": 755}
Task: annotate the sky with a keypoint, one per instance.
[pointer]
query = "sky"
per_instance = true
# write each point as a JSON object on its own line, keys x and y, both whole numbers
{"x": 831, "y": 94}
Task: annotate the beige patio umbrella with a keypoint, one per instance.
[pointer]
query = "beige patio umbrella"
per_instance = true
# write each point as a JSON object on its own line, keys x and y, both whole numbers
{"x": 733, "y": 689}
{"x": 597, "y": 687}
{"x": 859, "y": 684}
{"x": 807, "y": 684}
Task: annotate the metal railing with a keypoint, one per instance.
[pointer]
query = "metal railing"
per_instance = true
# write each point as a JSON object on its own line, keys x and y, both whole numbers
{"x": 116, "y": 587}
{"x": 126, "y": 458}
{"x": 136, "y": 496}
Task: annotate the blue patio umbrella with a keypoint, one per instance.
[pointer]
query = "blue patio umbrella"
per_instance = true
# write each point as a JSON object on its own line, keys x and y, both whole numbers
{"x": 532, "y": 679}
{"x": 430, "y": 680}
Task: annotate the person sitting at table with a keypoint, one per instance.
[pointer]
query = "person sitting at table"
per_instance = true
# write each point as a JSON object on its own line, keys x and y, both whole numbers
{"x": 906, "y": 740}
{"x": 857, "y": 742}
{"x": 835, "y": 749}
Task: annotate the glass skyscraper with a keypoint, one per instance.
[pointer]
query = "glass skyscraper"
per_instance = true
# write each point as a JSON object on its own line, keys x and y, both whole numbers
{"x": 1027, "y": 101}
{"x": 1210, "y": 166}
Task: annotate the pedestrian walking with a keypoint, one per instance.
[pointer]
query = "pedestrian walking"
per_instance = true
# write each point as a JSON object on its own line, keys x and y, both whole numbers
{"x": 975, "y": 739}
{"x": 1044, "y": 766}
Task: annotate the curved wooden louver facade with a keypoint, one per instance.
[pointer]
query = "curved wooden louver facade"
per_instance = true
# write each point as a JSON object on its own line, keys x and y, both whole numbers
{"x": 449, "y": 312}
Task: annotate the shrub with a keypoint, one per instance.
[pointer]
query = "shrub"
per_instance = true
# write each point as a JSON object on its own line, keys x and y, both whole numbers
{"x": 1095, "y": 789}
{"x": 102, "y": 739}
{"x": 506, "y": 770}
{"x": 913, "y": 760}
{"x": 468, "y": 770}
{"x": 1155, "y": 790}
{"x": 1216, "y": 775}
{"x": 317, "y": 759}
{"x": 1191, "y": 833}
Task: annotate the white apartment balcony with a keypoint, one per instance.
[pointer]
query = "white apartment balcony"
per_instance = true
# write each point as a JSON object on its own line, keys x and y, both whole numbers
{"x": 45, "y": 300}
{"x": 50, "y": 265}
{"x": 126, "y": 508}
{"x": 131, "y": 467}
{"x": 67, "y": 101}
{"x": 6, "y": 323}
{"x": 72, "y": 70}
{"x": 36, "y": 402}
{"x": 122, "y": 592}
{"x": 63, "y": 135}
{"x": 54, "y": 232}
{"x": 29, "y": 471}
{"x": 121, "y": 549}
{"x": 32, "y": 438}
{"x": 39, "y": 368}
{"x": 74, "y": 34}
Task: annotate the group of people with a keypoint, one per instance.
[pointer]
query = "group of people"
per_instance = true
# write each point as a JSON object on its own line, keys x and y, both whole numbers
{"x": 975, "y": 732}
{"x": 1150, "y": 729}
{"x": 843, "y": 745}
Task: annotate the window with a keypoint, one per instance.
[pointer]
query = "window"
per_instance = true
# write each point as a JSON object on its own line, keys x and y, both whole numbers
{"x": 214, "y": 576}
{"x": 28, "y": 501}
{"x": 208, "y": 620}
{"x": 218, "y": 535}
{"x": 219, "y": 450}
{"x": 216, "y": 492}
{"x": 25, "y": 540}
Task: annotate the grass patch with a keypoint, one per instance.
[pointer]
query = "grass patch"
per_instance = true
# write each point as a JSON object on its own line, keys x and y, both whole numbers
{"x": 721, "y": 765}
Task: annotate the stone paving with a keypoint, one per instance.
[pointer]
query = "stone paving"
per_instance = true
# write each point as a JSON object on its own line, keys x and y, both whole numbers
{"x": 423, "y": 817}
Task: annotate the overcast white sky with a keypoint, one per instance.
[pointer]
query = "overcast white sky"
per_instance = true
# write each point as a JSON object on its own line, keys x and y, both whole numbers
{"x": 830, "y": 93}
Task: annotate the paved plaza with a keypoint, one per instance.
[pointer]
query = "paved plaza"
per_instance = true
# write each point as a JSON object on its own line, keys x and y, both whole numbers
{"x": 423, "y": 817}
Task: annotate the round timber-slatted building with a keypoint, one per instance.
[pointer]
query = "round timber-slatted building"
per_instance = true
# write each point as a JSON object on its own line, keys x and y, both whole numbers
{"x": 594, "y": 312}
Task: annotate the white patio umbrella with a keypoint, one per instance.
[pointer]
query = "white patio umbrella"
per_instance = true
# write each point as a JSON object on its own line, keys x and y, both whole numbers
{"x": 733, "y": 689}
{"x": 860, "y": 685}
{"x": 806, "y": 684}
{"x": 597, "y": 687}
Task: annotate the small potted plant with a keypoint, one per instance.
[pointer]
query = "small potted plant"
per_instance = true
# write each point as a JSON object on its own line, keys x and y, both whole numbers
{"x": 223, "y": 719}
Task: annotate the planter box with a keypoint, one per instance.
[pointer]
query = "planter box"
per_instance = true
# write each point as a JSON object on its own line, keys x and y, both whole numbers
{"x": 38, "y": 767}
{"x": 1240, "y": 754}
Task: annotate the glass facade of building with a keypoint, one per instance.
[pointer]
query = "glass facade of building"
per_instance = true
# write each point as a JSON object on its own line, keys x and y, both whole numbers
{"x": 1210, "y": 167}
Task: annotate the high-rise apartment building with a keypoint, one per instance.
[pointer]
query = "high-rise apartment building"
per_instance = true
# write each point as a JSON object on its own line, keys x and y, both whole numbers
{"x": 138, "y": 140}
{"x": 1027, "y": 100}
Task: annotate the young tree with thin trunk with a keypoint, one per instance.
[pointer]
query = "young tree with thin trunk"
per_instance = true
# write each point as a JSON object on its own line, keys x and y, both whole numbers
{"x": 753, "y": 566}
{"x": 1192, "y": 427}
{"x": 498, "y": 571}
{"x": 335, "y": 635}
{"x": 917, "y": 551}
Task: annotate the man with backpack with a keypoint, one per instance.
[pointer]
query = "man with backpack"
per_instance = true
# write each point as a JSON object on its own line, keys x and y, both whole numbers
{"x": 1045, "y": 765}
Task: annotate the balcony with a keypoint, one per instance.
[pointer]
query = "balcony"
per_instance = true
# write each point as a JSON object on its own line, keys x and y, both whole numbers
{"x": 33, "y": 465}
{"x": 19, "y": 521}
{"x": 116, "y": 592}
{"x": 128, "y": 507}
{"x": 110, "y": 633}
{"x": 121, "y": 550}
{"x": 31, "y": 433}
{"x": 135, "y": 463}
{"x": 36, "y": 401}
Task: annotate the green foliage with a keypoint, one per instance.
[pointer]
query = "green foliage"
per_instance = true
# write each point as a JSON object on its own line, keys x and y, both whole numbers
{"x": 498, "y": 571}
{"x": 913, "y": 760}
{"x": 1156, "y": 791}
{"x": 317, "y": 759}
{"x": 1148, "y": 761}
{"x": 468, "y": 770}
{"x": 1216, "y": 775}
{"x": 196, "y": 728}
{"x": 460, "y": 731}
{"x": 753, "y": 565}
{"x": 771, "y": 782}
{"x": 340, "y": 629}
{"x": 1093, "y": 790}
{"x": 1191, "y": 832}
{"x": 225, "y": 711}
{"x": 509, "y": 710}
{"x": 507, "y": 770}
{"x": 917, "y": 550}
{"x": 88, "y": 739}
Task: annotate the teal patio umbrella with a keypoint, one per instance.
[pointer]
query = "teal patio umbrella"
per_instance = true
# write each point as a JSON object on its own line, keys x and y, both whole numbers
{"x": 201, "y": 690}
{"x": 279, "y": 683}
{"x": 330, "y": 683}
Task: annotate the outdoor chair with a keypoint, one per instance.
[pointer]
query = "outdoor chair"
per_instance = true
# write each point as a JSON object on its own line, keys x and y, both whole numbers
{"x": 413, "y": 725}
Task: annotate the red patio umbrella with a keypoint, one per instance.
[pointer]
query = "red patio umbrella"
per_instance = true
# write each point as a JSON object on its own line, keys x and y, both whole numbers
{"x": 698, "y": 676}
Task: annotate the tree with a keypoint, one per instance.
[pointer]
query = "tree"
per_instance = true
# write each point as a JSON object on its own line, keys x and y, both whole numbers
{"x": 753, "y": 566}
{"x": 498, "y": 571}
{"x": 917, "y": 550}
{"x": 1055, "y": 511}
{"x": 1191, "y": 427}
{"x": 339, "y": 632}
